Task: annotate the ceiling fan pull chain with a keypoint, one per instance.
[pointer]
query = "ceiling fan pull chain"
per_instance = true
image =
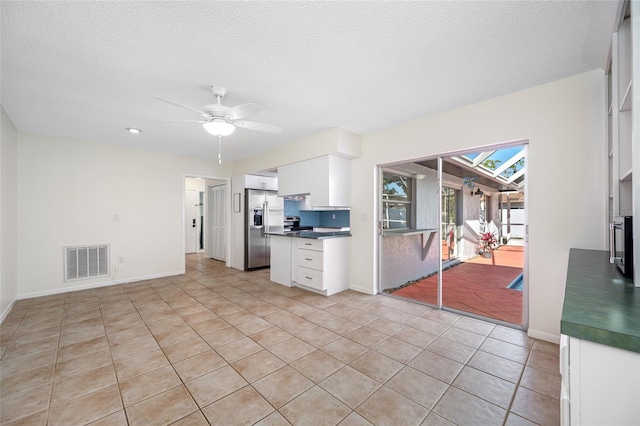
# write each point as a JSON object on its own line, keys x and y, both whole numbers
{"x": 219, "y": 149}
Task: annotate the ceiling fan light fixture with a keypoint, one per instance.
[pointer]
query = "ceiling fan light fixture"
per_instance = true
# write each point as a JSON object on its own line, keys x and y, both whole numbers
{"x": 219, "y": 127}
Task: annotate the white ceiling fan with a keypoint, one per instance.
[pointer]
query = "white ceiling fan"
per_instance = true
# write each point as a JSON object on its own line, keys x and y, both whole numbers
{"x": 221, "y": 120}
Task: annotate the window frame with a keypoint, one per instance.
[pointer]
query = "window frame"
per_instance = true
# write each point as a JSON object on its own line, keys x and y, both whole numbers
{"x": 409, "y": 202}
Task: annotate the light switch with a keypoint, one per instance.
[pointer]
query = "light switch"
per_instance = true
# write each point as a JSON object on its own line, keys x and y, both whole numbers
{"x": 116, "y": 218}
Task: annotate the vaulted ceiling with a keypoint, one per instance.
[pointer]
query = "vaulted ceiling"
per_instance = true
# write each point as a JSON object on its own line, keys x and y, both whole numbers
{"x": 87, "y": 70}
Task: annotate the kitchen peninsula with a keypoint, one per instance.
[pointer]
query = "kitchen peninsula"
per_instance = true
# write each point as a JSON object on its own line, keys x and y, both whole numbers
{"x": 600, "y": 344}
{"x": 315, "y": 261}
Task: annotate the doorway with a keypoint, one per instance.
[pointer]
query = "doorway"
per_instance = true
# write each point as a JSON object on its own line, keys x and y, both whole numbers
{"x": 473, "y": 204}
{"x": 205, "y": 216}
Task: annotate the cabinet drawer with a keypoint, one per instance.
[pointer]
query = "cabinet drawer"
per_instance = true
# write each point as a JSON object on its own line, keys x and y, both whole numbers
{"x": 309, "y": 259}
{"x": 309, "y": 277}
{"x": 309, "y": 244}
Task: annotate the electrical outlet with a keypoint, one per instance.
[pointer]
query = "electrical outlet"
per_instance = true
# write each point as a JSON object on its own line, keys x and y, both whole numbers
{"x": 333, "y": 216}
{"x": 121, "y": 259}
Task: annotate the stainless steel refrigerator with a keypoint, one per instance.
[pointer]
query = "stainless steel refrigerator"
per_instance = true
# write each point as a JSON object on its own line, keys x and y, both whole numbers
{"x": 264, "y": 212}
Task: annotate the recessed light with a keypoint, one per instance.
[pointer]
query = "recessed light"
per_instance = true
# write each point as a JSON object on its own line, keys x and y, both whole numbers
{"x": 133, "y": 130}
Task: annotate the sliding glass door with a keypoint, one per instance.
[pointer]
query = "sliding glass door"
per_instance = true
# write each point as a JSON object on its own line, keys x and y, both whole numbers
{"x": 452, "y": 232}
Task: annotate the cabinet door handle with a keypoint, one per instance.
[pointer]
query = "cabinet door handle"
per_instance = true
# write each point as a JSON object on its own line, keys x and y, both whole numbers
{"x": 306, "y": 258}
{"x": 307, "y": 244}
{"x": 309, "y": 278}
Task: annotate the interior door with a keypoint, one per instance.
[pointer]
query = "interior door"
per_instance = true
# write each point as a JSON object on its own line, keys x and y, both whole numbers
{"x": 217, "y": 246}
{"x": 191, "y": 217}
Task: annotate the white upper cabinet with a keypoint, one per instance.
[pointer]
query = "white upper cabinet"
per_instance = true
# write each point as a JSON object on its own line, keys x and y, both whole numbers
{"x": 261, "y": 182}
{"x": 327, "y": 179}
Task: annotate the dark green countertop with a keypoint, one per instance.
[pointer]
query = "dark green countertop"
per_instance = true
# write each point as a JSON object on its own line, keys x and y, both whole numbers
{"x": 600, "y": 304}
{"x": 311, "y": 234}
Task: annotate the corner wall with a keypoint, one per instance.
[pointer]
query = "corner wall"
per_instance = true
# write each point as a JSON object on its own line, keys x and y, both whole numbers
{"x": 79, "y": 192}
{"x": 8, "y": 213}
{"x": 564, "y": 124}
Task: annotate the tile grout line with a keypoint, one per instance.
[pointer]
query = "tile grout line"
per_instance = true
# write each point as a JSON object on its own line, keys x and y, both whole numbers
{"x": 235, "y": 298}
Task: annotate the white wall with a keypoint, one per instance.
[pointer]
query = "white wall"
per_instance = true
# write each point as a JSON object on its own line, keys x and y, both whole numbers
{"x": 71, "y": 191}
{"x": 338, "y": 142}
{"x": 8, "y": 213}
{"x": 564, "y": 124}
{"x": 236, "y": 222}
{"x": 195, "y": 184}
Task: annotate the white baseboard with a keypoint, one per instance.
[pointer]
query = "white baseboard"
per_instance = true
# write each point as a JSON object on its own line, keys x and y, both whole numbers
{"x": 6, "y": 311}
{"x": 365, "y": 290}
{"x": 95, "y": 285}
{"x": 541, "y": 335}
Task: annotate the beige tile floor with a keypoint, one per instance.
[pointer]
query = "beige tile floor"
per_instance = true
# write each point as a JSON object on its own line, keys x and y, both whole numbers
{"x": 221, "y": 346}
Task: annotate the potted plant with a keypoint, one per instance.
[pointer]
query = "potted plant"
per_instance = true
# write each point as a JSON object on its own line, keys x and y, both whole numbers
{"x": 488, "y": 243}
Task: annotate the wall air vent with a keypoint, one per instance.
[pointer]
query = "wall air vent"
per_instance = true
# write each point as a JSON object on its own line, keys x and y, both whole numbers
{"x": 86, "y": 261}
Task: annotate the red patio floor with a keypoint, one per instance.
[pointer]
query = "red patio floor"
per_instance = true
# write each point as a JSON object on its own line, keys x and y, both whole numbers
{"x": 478, "y": 286}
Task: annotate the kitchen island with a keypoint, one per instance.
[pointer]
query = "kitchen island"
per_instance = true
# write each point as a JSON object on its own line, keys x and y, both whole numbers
{"x": 314, "y": 261}
{"x": 600, "y": 343}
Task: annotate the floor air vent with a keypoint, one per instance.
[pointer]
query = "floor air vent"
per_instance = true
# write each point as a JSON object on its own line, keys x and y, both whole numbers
{"x": 86, "y": 262}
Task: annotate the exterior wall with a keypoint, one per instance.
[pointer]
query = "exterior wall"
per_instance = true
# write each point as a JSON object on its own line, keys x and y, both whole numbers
{"x": 80, "y": 192}
{"x": 402, "y": 255}
{"x": 8, "y": 213}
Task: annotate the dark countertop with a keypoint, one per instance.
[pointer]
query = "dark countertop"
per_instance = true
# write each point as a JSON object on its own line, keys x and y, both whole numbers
{"x": 312, "y": 235}
{"x": 600, "y": 304}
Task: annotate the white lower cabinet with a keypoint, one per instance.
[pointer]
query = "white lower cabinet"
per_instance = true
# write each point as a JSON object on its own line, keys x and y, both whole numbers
{"x": 321, "y": 265}
{"x": 281, "y": 252}
{"x": 604, "y": 384}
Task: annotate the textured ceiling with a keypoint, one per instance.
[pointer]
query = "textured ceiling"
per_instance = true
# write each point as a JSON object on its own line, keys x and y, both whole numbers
{"x": 87, "y": 70}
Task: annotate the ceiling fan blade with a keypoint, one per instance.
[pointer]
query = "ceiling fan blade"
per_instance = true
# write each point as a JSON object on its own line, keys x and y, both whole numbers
{"x": 180, "y": 105}
{"x": 252, "y": 125}
{"x": 244, "y": 110}
{"x": 182, "y": 121}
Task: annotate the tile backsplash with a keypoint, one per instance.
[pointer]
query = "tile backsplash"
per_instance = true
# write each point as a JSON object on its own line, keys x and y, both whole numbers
{"x": 322, "y": 218}
{"x": 335, "y": 218}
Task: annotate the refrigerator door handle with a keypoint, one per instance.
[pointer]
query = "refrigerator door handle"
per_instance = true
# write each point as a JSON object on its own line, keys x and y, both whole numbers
{"x": 265, "y": 218}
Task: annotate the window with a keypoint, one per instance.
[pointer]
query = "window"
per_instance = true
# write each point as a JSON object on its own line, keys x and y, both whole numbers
{"x": 397, "y": 200}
